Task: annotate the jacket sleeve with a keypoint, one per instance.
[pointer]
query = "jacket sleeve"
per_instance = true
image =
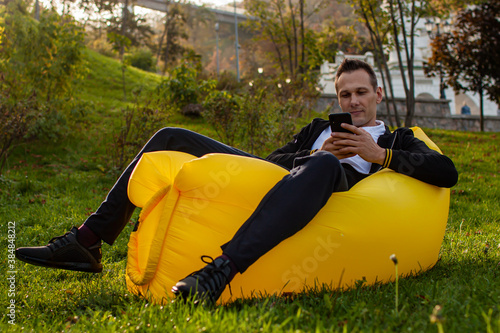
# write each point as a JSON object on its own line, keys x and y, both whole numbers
{"x": 285, "y": 155}
{"x": 415, "y": 159}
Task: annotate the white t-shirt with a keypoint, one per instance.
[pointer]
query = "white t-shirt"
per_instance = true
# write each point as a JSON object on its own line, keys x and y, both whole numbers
{"x": 356, "y": 162}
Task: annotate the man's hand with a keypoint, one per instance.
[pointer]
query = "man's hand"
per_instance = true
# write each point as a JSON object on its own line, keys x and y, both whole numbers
{"x": 344, "y": 145}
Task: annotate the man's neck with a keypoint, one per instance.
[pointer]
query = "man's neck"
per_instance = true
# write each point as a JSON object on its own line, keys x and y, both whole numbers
{"x": 377, "y": 123}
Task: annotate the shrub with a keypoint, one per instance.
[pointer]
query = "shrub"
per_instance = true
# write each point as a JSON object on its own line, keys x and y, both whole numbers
{"x": 36, "y": 78}
{"x": 221, "y": 110}
{"x": 16, "y": 118}
{"x": 267, "y": 120}
{"x": 139, "y": 122}
{"x": 228, "y": 81}
{"x": 102, "y": 46}
{"x": 254, "y": 118}
{"x": 183, "y": 87}
{"x": 141, "y": 58}
{"x": 47, "y": 68}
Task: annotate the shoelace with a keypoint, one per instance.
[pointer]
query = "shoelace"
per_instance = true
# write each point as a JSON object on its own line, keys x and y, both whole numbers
{"x": 210, "y": 273}
{"x": 58, "y": 241}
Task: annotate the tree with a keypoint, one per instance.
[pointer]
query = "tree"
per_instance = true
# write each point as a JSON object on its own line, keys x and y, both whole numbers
{"x": 378, "y": 23}
{"x": 49, "y": 68}
{"x": 127, "y": 30}
{"x": 401, "y": 17}
{"x": 36, "y": 82}
{"x": 173, "y": 32}
{"x": 284, "y": 25}
{"x": 295, "y": 48}
{"x": 405, "y": 15}
{"x": 469, "y": 53}
{"x": 130, "y": 25}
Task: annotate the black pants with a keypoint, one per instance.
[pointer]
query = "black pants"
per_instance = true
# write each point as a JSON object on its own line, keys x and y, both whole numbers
{"x": 285, "y": 209}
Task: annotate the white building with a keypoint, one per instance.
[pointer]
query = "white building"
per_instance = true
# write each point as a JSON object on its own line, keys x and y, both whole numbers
{"x": 425, "y": 87}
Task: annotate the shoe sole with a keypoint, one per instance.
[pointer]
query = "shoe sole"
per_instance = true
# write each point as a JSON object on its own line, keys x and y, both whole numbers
{"x": 197, "y": 298}
{"x": 187, "y": 297}
{"x": 72, "y": 266}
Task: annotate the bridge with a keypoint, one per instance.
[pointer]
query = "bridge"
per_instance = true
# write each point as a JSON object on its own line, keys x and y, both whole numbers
{"x": 223, "y": 14}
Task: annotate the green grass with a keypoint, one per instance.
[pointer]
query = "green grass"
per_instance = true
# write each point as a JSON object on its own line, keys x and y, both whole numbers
{"x": 104, "y": 85}
{"x": 51, "y": 186}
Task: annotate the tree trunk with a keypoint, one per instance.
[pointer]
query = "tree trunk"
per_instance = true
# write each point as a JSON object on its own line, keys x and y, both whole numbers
{"x": 167, "y": 43}
{"x": 481, "y": 107}
{"x": 379, "y": 53}
{"x": 400, "y": 60}
{"x": 388, "y": 72}
{"x": 410, "y": 56}
{"x": 122, "y": 46}
{"x": 158, "y": 54}
{"x": 302, "y": 35}
{"x": 295, "y": 38}
{"x": 124, "y": 26}
{"x": 288, "y": 41}
{"x": 280, "y": 58}
{"x": 378, "y": 45}
{"x": 384, "y": 84}
{"x": 391, "y": 89}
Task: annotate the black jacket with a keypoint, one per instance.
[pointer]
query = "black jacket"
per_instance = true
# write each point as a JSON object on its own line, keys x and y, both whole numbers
{"x": 405, "y": 154}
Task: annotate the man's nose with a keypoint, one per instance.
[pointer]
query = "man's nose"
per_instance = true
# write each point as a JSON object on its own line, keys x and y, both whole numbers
{"x": 354, "y": 99}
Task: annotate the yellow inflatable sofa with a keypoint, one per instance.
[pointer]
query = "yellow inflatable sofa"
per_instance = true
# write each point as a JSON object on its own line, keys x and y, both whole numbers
{"x": 191, "y": 206}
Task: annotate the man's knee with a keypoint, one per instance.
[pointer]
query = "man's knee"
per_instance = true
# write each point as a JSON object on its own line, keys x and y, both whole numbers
{"x": 165, "y": 138}
{"x": 329, "y": 166}
{"x": 174, "y": 134}
{"x": 171, "y": 132}
{"x": 323, "y": 161}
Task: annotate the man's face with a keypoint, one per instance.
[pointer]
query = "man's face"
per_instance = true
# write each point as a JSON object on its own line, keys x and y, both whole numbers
{"x": 357, "y": 96}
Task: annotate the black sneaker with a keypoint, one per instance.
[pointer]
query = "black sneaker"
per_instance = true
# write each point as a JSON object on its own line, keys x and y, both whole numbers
{"x": 207, "y": 284}
{"x": 64, "y": 252}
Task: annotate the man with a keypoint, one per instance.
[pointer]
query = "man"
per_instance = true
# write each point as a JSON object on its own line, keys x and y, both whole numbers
{"x": 320, "y": 163}
{"x": 465, "y": 109}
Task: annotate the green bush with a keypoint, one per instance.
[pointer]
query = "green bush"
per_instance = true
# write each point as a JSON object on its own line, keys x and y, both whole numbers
{"x": 16, "y": 118}
{"x": 255, "y": 118}
{"x": 39, "y": 63}
{"x": 228, "y": 81}
{"x": 221, "y": 110}
{"x": 44, "y": 57}
{"x": 141, "y": 58}
{"x": 267, "y": 120}
{"x": 257, "y": 123}
{"x": 139, "y": 122}
{"x": 102, "y": 46}
{"x": 184, "y": 87}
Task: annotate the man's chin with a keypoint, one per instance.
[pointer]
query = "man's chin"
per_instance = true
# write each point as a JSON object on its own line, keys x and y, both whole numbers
{"x": 362, "y": 122}
{"x": 358, "y": 122}
{"x": 358, "y": 119}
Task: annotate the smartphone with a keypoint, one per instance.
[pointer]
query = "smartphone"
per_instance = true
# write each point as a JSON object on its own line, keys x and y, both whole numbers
{"x": 338, "y": 118}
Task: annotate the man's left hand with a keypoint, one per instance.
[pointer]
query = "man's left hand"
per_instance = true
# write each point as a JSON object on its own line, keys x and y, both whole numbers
{"x": 360, "y": 143}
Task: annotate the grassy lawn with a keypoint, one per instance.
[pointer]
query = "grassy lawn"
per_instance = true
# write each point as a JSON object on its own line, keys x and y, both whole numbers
{"x": 50, "y": 187}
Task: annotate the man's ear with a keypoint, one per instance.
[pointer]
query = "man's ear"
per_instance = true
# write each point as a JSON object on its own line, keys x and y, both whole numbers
{"x": 380, "y": 94}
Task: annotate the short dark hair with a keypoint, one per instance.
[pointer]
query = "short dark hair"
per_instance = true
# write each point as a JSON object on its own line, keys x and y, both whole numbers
{"x": 351, "y": 65}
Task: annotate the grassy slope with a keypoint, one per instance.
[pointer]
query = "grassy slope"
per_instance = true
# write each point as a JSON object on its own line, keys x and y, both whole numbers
{"x": 51, "y": 187}
{"x": 104, "y": 84}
